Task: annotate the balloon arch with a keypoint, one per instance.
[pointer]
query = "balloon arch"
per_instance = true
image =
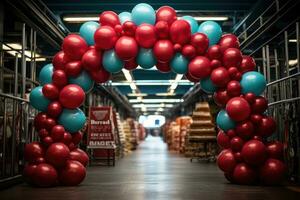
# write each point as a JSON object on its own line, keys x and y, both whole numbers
{"x": 148, "y": 38}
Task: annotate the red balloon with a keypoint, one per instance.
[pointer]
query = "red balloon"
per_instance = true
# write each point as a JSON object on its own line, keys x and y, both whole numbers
{"x": 247, "y": 64}
{"x": 105, "y": 38}
{"x": 223, "y": 140}
{"x": 67, "y": 139}
{"x": 234, "y": 88}
{"x": 238, "y": 76}
{"x": 189, "y": 51}
{"x": 59, "y": 60}
{"x": 43, "y": 133}
{"x": 100, "y": 76}
{"x": 126, "y": 48}
{"x": 28, "y": 172}
{"x": 40, "y": 120}
{"x": 226, "y": 161}
{"x": 200, "y": 42}
{"x": 57, "y": 133}
{"x": 266, "y": 127}
{"x": 220, "y": 77}
{"x": 215, "y": 64}
{"x": 231, "y": 133}
{"x": 244, "y": 174}
{"x": 257, "y": 137}
{"x": 180, "y": 32}
{"x": 73, "y": 68}
{"x": 275, "y": 150}
{"x": 71, "y": 96}
{"x": 130, "y": 64}
{"x": 232, "y": 57}
{"x": 245, "y": 129}
{"x": 199, "y": 67}
{"x": 47, "y": 141}
{"x": 167, "y": 14}
{"x": 59, "y": 78}
{"x": 92, "y": 60}
{"x": 50, "y": 91}
{"x": 163, "y": 50}
{"x": 33, "y": 151}
{"x": 254, "y": 152}
{"x": 177, "y": 47}
{"x": 74, "y": 46}
{"x": 145, "y": 35}
{"x": 45, "y": 175}
{"x": 256, "y": 119}
{"x": 229, "y": 41}
{"x": 80, "y": 156}
{"x": 54, "y": 109}
{"x": 57, "y": 154}
{"x": 250, "y": 97}
{"x": 190, "y": 78}
{"x": 214, "y": 52}
{"x": 49, "y": 123}
{"x": 72, "y": 174}
{"x": 232, "y": 72}
{"x": 109, "y": 18}
{"x": 119, "y": 30}
{"x": 259, "y": 105}
{"x": 76, "y": 137}
{"x": 163, "y": 67}
{"x": 162, "y": 30}
{"x": 40, "y": 160}
{"x": 273, "y": 172}
{"x": 129, "y": 28}
{"x": 221, "y": 97}
{"x": 72, "y": 146}
{"x": 238, "y": 157}
{"x": 238, "y": 109}
{"x": 236, "y": 144}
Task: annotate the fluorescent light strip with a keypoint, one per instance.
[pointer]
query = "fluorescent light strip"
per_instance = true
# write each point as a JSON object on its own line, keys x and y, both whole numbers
{"x": 166, "y": 94}
{"x": 211, "y": 18}
{"x": 11, "y": 47}
{"x": 150, "y": 84}
{"x": 292, "y": 40}
{"x": 152, "y": 68}
{"x": 137, "y": 94}
{"x": 293, "y": 62}
{"x": 80, "y": 19}
{"x": 152, "y": 105}
{"x": 156, "y": 100}
{"x": 127, "y": 75}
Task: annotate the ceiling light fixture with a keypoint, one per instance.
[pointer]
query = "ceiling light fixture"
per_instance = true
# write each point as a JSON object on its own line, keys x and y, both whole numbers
{"x": 80, "y": 19}
{"x": 137, "y": 94}
{"x": 292, "y": 40}
{"x": 156, "y": 100}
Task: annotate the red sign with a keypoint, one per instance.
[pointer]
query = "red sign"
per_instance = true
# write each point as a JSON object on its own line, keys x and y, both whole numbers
{"x": 101, "y": 128}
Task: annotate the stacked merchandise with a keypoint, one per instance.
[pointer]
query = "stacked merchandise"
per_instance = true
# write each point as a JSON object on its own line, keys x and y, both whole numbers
{"x": 121, "y": 136}
{"x": 184, "y": 123}
{"x": 201, "y": 135}
{"x": 127, "y": 134}
{"x": 142, "y": 132}
{"x": 134, "y": 133}
{"x": 173, "y": 136}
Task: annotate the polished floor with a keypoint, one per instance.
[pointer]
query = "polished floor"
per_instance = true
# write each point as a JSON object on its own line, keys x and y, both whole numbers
{"x": 151, "y": 172}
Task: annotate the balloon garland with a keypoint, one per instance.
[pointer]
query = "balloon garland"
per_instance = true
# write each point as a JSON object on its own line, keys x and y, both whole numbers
{"x": 147, "y": 38}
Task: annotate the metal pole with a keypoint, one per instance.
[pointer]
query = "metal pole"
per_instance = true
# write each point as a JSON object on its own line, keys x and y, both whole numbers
{"x": 286, "y": 48}
{"x": 268, "y": 68}
{"x": 1, "y": 71}
{"x": 276, "y": 74}
{"x": 34, "y": 55}
{"x": 4, "y": 139}
{"x": 23, "y": 61}
{"x": 298, "y": 52}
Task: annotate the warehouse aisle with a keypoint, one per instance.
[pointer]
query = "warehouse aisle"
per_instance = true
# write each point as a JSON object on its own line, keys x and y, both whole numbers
{"x": 152, "y": 172}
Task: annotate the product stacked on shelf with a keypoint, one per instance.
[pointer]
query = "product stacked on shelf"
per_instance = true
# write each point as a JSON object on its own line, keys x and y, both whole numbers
{"x": 201, "y": 135}
{"x": 121, "y": 136}
{"x": 184, "y": 123}
{"x": 142, "y": 132}
{"x": 134, "y": 133}
{"x": 172, "y": 137}
{"x": 127, "y": 133}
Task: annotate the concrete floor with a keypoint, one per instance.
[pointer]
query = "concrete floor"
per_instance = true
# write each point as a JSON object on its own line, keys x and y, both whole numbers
{"x": 153, "y": 173}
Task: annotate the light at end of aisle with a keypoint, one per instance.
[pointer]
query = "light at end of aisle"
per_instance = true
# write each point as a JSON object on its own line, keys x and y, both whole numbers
{"x": 162, "y": 105}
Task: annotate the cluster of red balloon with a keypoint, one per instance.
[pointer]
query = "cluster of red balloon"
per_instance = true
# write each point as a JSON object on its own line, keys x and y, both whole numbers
{"x": 148, "y": 38}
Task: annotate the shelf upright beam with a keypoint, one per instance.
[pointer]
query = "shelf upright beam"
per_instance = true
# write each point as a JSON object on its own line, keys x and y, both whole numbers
{"x": 23, "y": 86}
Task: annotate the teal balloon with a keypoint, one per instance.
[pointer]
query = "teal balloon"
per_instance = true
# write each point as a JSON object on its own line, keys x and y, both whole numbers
{"x": 45, "y": 75}
{"x": 207, "y": 85}
{"x": 145, "y": 58}
{"x": 213, "y": 31}
{"x": 83, "y": 80}
{"x": 87, "y": 31}
{"x": 143, "y": 13}
{"x": 253, "y": 82}
{"x": 111, "y": 62}
{"x": 224, "y": 122}
{"x": 193, "y": 23}
{"x": 179, "y": 64}
{"x": 38, "y": 100}
{"x": 72, "y": 119}
{"x": 124, "y": 17}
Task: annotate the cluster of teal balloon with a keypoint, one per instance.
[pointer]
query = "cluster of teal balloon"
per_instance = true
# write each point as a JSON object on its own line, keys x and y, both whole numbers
{"x": 224, "y": 122}
{"x": 253, "y": 82}
{"x": 207, "y": 85}
{"x": 72, "y": 119}
{"x": 87, "y": 31}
